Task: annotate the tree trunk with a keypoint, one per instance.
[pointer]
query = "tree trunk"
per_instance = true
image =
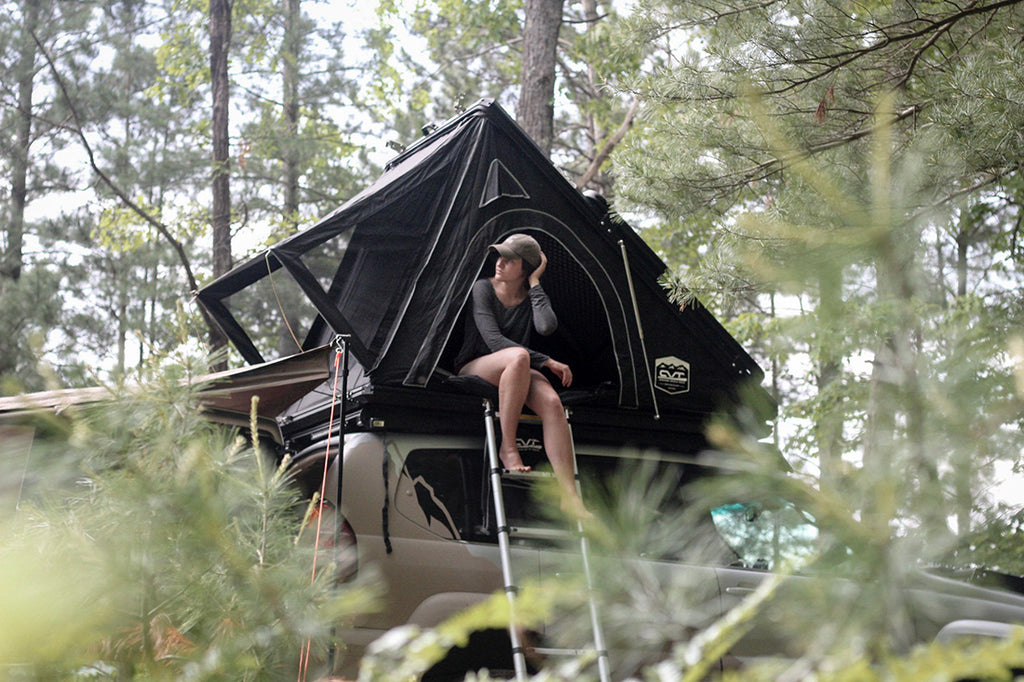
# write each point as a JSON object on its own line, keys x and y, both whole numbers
{"x": 963, "y": 240}
{"x": 829, "y": 430}
{"x": 897, "y": 400}
{"x": 12, "y": 257}
{"x": 220, "y": 219}
{"x": 220, "y": 42}
{"x": 536, "y": 111}
{"x": 121, "y": 314}
{"x": 290, "y": 81}
{"x": 596, "y": 131}
{"x": 963, "y": 469}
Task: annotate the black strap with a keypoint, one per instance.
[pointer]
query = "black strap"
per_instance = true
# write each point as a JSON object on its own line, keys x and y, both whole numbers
{"x": 384, "y": 510}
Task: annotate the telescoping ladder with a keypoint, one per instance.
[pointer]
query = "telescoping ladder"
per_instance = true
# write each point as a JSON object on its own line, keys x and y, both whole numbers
{"x": 506, "y": 532}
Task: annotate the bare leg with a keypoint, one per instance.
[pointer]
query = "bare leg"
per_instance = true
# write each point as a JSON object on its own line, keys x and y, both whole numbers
{"x": 512, "y": 389}
{"x": 544, "y": 400}
{"x": 509, "y": 370}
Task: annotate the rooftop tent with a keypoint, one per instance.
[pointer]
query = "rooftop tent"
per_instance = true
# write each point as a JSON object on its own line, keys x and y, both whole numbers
{"x": 392, "y": 268}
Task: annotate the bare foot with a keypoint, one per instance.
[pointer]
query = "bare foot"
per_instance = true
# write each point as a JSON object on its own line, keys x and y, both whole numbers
{"x": 512, "y": 461}
{"x": 572, "y": 506}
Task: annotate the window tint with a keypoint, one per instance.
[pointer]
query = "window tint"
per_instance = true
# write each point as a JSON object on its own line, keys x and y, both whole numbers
{"x": 447, "y": 485}
{"x": 647, "y": 496}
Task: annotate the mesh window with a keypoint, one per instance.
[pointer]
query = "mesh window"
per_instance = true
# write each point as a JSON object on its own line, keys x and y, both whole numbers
{"x": 583, "y": 339}
{"x": 274, "y": 312}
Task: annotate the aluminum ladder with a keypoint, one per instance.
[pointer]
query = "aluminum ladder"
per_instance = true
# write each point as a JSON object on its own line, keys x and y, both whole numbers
{"x": 506, "y": 532}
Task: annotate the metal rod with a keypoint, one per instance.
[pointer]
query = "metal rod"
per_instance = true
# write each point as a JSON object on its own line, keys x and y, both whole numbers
{"x": 603, "y": 663}
{"x": 639, "y": 327}
{"x": 341, "y": 343}
{"x": 341, "y": 347}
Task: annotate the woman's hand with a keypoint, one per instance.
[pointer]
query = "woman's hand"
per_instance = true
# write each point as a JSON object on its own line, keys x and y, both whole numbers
{"x": 560, "y": 370}
{"x": 535, "y": 275}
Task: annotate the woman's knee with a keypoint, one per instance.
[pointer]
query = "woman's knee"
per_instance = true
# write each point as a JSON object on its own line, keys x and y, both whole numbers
{"x": 517, "y": 358}
{"x": 546, "y": 400}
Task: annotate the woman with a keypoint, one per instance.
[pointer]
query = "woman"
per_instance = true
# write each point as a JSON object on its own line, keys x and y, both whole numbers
{"x": 505, "y": 307}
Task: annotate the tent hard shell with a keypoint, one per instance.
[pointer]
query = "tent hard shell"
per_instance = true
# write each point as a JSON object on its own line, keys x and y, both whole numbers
{"x": 392, "y": 269}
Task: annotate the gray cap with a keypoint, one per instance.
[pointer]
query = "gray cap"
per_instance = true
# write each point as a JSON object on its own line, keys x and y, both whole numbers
{"x": 519, "y": 246}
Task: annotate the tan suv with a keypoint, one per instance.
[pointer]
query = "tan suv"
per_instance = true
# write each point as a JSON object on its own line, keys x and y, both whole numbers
{"x": 418, "y": 512}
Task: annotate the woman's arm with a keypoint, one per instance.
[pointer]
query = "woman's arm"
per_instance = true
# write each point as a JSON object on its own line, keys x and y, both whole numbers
{"x": 544, "y": 319}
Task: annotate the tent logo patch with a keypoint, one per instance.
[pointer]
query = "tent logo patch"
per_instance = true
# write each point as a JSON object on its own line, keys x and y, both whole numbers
{"x": 672, "y": 375}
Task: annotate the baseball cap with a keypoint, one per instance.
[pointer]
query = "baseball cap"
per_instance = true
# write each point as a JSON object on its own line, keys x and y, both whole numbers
{"x": 519, "y": 246}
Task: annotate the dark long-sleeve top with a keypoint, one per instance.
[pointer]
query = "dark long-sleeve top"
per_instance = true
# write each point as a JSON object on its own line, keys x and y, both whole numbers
{"x": 497, "y": 326}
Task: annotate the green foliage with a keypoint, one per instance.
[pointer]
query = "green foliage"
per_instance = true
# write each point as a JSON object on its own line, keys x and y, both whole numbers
{"x": 986, "y": 547}
{"x": 833, "y": 177}
{"x": 28, "y": 308}
{"x": 835, "y": 604}
{"x": 180, "y": 56}
{"x": 455, "y": 51}
{"x": 989, "y": 661}
{"x": 183, "y": 538}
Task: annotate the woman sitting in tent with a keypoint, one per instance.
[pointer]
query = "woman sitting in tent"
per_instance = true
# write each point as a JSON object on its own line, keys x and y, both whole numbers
{"x": 505, "y": 307}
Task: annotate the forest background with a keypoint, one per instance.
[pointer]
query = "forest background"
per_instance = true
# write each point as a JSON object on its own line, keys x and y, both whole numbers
{"x": 840, "y": 183}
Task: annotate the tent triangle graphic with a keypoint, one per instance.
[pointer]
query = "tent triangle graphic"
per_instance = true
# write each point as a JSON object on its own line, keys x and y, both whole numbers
{"x": 501, "y": 183}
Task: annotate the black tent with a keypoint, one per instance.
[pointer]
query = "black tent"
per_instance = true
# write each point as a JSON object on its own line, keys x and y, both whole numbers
{"x": 392, "y": 269}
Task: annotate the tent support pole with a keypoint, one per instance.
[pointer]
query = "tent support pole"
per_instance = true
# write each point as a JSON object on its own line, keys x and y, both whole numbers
{"x": 639, "y": 327}
{"x": 340, "y": 344}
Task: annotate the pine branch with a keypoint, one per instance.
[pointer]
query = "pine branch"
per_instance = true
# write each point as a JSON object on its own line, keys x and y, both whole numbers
{"x": 836, "y": 61}
{"x": 766, "y": 169}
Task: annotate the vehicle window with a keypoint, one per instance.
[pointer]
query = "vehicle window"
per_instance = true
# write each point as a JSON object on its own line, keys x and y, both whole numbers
{"x": 766, "y": 537}
{"x": 447, "y": 486}
{"x": 651, "y": 504}
{"x": 453, "y": 495}
{"x": 453, "y": 498}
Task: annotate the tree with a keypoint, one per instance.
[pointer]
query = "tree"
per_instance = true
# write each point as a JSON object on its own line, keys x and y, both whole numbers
{"x": 543, "y": 52}
{"x": 195, "y": 565}
{"x": 127, "y": 141}
{"x": 536, "y": 109}
{"x": 298, "y": 159}
{"x": 147, "y": 151}
{"x": 24, "y": 76}
{"x": 220, "y": 218}
{"x": 29, "y": 270}
{"x": 745, "y": 100}
{"x": 12, "y": 261}
{"x": 220, "y": 90}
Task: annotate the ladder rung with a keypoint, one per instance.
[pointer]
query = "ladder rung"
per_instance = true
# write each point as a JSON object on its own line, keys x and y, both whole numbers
{"x": 526, "y": 475}
{"x": 538, "y": 533}
{"x": 524, "y": 418}
{"x": 548, "y": 651}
